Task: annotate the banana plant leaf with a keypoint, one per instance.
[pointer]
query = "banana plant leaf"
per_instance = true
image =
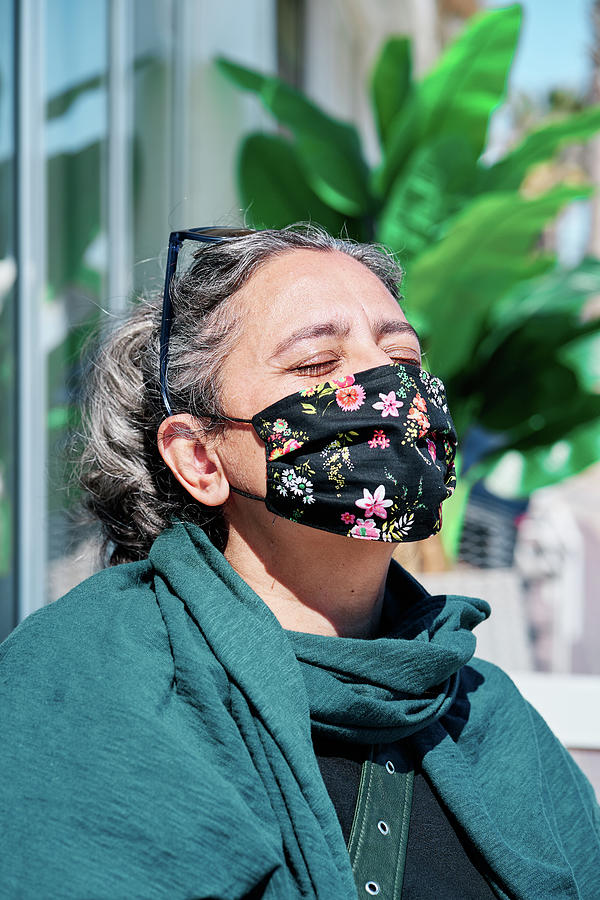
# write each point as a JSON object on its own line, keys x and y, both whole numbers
{"x": 328, "y": 150}
{"x": 391, "y": 84}
{"x": 582, "y": 355}
{"x": 562, "y": 290}
{"x": 550, "y": 404}
{"x": 539, "y": 146}
{"x": 488, "y": 249}
{"x": 517, "y": 474}
{"x": 538, "y": 330}
{"x": 273, "y": 188}
{"x": 459, "y": 94}
{"x": 536, "y": 357}
{"x": 428, "y": 190}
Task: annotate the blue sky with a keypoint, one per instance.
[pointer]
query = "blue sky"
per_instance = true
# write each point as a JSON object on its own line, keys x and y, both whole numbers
{"x": 555, "y": 45}
{"x": 554, "y": 51}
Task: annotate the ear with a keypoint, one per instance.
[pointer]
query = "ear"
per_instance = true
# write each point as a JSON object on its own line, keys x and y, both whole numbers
{"x": 190, "y": 456}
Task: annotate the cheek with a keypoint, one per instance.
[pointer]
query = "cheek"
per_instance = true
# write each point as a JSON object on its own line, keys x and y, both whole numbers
{"x": 244, "y": 460}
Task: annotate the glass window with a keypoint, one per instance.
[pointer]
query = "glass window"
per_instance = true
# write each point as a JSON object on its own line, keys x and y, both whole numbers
{"x": 153, "y": 104}
{"x": 7, "y": 320}
{"x": 76, "y": 53}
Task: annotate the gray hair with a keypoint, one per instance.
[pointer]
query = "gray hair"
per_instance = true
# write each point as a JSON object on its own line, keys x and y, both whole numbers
{"x": 128, "y": 486}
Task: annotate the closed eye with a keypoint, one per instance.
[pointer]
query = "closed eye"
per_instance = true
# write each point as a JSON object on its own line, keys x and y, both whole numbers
{"x": 408, "y": 356}
{"x": 316, "y": 369}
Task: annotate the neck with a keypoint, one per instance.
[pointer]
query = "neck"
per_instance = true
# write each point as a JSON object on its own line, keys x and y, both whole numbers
{"x": 312, "y": 581}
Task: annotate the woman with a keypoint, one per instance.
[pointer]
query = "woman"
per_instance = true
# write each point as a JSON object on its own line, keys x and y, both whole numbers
{"x": 259, "y": 703}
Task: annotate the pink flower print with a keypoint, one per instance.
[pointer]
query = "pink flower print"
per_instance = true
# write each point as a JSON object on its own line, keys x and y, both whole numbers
{"x": 275, "y": 453}
{"x": 348, "y": 381}
{"x": 381, "y": 439}
{"x": 374, "y": 504}
{"x": 350, "y": 398}
{"x": 308, "y": 392}
{"x": 431, "y": 448}
{"x": 365, "y": 530}
{"x": 389, "y": 404}
{"x": 347, "y": 518}
{"x": 280, "y": 426}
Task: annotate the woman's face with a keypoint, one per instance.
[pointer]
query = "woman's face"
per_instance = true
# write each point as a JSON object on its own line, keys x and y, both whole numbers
{"x": 308, "y": 316}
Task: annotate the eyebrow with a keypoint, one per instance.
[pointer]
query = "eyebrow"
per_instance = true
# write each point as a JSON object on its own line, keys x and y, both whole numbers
{"x": 383, "y": 327}
{"x": 340, "y": 329}
{"x": 333, "y": 328}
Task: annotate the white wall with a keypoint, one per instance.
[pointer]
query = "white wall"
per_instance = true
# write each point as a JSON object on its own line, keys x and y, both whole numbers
{"x": 343, "y": 38}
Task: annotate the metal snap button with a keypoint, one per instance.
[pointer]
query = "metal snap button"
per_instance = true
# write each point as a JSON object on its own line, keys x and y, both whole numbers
{"x": 371, "y": 887}
{"x": 383, "y": 827}
{"x": 391, "y": 768}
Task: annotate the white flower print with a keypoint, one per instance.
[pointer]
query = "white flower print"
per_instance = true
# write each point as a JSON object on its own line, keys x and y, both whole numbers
{"x": 288, "y": 476}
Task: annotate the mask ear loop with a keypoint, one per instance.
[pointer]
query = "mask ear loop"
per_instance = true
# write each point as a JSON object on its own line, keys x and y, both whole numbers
{"x": 246, "y": 494}
{"x": 225, "y": 418}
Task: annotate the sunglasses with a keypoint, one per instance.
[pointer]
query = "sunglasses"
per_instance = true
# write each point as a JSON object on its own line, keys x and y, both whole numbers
{"x": 211, "y": 235}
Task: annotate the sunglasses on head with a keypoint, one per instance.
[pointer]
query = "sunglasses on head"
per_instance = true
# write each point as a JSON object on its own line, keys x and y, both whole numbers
{"x": 209, "y": 235}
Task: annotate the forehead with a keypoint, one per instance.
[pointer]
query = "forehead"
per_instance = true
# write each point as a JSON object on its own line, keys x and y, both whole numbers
{"x": 299, "y": 286}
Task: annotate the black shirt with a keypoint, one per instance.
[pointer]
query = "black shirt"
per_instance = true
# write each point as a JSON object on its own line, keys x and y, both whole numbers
{"x": 439, "y": 860}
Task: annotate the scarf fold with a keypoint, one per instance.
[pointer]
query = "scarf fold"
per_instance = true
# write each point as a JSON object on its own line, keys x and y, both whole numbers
{"x": 476, "y": 737}
{"x": 384, "y": 689}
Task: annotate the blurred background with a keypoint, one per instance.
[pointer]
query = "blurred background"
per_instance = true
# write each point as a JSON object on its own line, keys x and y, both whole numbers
{"x": 464, "y": 135}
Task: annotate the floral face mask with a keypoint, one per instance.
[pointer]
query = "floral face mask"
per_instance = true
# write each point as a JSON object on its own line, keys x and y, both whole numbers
{"x": 370, "y": 456}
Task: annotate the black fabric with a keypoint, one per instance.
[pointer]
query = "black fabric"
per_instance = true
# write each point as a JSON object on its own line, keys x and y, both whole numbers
{"x": 438, "y": 864}
{"x": 370, "y": 456}
{"x": 340, "y": 766}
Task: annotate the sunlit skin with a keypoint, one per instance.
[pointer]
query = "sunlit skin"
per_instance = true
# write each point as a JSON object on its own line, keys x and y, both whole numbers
{"x": 313, "y": 581}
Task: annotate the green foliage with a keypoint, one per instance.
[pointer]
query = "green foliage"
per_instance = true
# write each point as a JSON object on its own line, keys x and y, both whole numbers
{"x": 459, "y": 94}
{"x": 538, "y": 146}
{"x": 500, "y": 322}
{"x": 469, "y": 81}
{"x": 328, "y": 151}
{"x": 442, "y": 285}
{"x": 428, "y": 190}
{"x": 391, "y": 84}
{"x": 280, "y": 191}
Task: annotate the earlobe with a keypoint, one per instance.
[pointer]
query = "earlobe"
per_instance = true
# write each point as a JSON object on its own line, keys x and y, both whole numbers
{"x": 189, "y": 454}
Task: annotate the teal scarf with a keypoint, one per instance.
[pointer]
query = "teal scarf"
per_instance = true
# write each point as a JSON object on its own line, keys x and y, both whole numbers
{"x": 186, "y": 711}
